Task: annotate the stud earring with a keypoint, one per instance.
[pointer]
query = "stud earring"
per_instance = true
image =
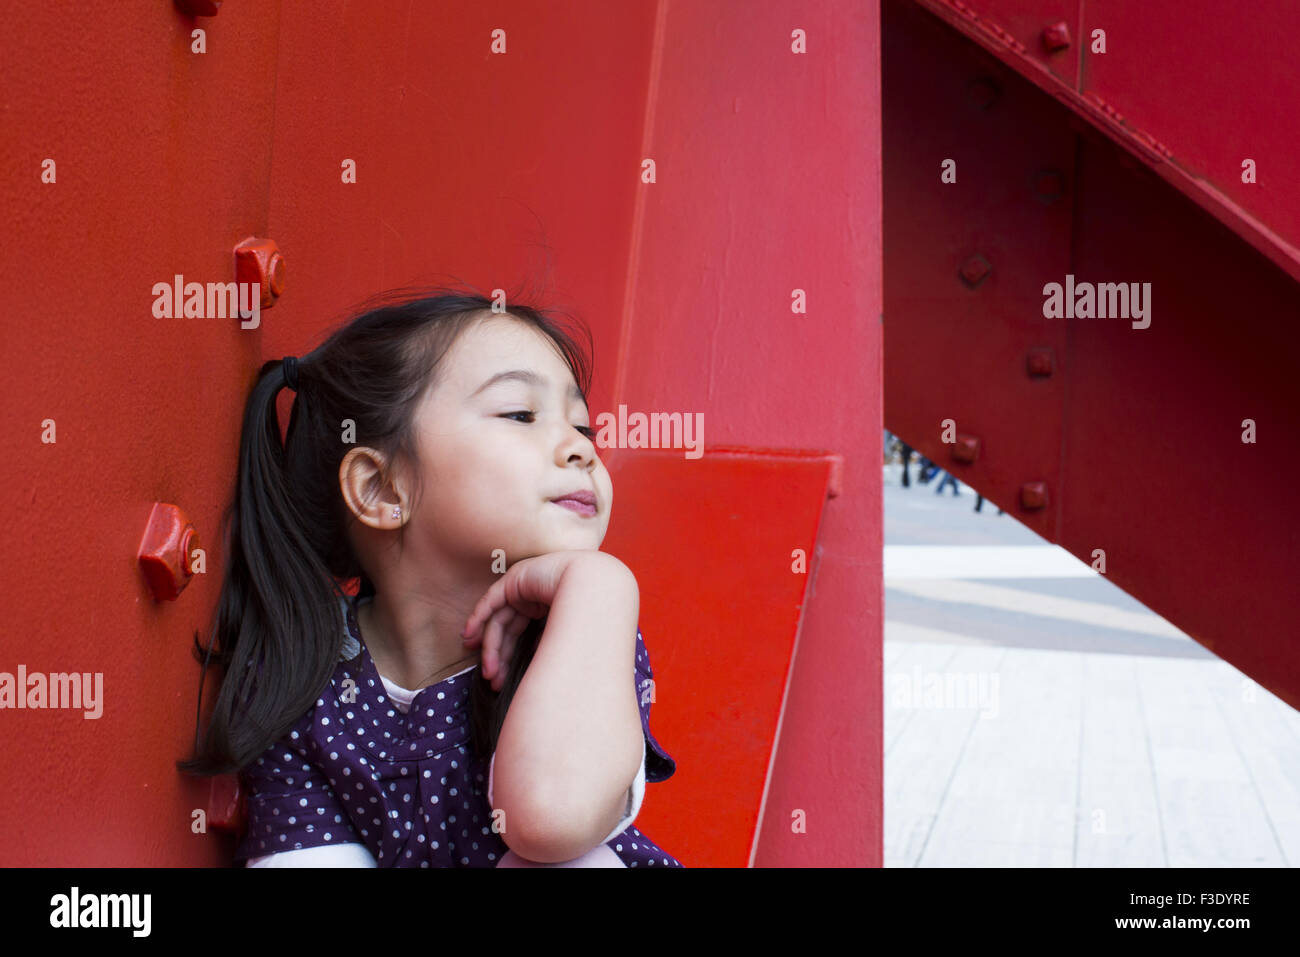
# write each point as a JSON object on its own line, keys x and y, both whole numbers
{"x": 397, "y": 511}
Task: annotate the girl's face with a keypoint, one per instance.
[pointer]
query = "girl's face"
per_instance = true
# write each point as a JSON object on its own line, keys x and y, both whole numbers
{"x": 500, "y": 437}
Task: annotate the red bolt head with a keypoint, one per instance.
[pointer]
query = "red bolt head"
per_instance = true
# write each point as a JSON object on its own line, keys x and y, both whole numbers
{"x": 966, "y": 448}
{"x": 974, "y": 269}
{"x": 1057, "y": 36}
{"x": 1040, "y": 362}
{"x": 260, "y": 261}
{"x": 189, "y": 542}
{"x": 226, "y": 807}
{"x": 1033, "y": 495}
{"x": 276, "y": 277}
{"x": 1049, "y": 184}
{"x": 199, "y": 8}
{"x": 165, "y": 549}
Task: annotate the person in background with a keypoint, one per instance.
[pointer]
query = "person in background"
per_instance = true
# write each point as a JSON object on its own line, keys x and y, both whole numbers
{"x": 947, "y": 477}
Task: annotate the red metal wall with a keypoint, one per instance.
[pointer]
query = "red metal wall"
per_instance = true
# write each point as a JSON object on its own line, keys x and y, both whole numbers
{"x": 488, "y": 168}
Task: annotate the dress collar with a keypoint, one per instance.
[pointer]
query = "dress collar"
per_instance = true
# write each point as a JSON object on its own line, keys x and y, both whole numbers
{"x": 438, "y": 717}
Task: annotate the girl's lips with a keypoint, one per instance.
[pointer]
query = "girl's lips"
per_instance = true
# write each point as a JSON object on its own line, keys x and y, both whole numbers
{"x": 575, "y": 506}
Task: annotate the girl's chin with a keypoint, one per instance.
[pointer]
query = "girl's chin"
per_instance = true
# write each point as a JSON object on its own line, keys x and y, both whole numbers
{"x": 575, "y": 541}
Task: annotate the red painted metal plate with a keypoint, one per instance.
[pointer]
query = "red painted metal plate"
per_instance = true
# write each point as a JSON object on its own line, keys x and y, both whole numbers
{"x": 711, "y": 542}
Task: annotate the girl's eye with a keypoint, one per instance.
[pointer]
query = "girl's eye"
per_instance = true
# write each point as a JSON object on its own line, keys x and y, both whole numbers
{"x": 585, "y": 430}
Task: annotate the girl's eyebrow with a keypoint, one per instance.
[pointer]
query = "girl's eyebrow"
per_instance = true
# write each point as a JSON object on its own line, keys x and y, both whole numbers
{"x": 529, "y": 377}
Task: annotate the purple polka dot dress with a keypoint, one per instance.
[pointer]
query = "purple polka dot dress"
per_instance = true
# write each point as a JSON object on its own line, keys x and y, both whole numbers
{"x": 355, "y": 769}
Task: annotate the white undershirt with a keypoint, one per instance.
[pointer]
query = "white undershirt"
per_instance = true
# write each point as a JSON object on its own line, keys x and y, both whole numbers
{"x": 354, "y": 854}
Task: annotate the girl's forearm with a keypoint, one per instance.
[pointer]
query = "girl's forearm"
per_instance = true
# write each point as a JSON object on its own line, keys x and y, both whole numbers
{"x": 572, "y": 742}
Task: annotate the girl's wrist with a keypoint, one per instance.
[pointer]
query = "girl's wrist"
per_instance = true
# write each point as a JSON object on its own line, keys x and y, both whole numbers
{"x": 599, "y": 570}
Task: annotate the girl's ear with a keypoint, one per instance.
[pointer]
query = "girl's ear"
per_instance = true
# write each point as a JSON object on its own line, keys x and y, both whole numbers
{"x": 366, "y": 492}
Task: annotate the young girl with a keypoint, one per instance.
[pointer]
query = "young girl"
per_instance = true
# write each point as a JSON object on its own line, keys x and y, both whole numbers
{"x": 441, "y": 453}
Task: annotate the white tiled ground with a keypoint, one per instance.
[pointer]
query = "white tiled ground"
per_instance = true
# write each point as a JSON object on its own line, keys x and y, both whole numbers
{"x": 1086, "y": 760}
{"x": 1036, "y": 716}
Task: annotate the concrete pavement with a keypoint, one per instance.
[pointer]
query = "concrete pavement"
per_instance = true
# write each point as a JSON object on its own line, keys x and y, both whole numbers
{"x": 1037, "y": 716}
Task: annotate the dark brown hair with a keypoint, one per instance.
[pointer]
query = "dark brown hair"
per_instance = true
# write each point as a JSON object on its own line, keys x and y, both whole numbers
{"x": 278, "y": 628}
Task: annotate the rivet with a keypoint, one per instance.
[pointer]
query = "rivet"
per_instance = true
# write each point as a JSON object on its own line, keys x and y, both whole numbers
{"x": 974, "y": 270}
{"x": 1057, "y": 36}
{"x": 227, "y": 807}
{"x": 966, "y": 448}
{"x": 164, "y": 553}
{"x": 1049, "y": 184}
{"x": 260, "y": 261}
{"x": 276, "y": 276}
{"x": 1040, "y": 361}
{"x": 199, "y": 8}
{"x": 1033, "y": 495}
{"x": 189, "y": 542}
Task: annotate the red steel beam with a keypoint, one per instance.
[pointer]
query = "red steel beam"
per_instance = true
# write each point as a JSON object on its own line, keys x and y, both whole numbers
{"x": 1135, "y": 441}
{"x": 1192, "y": 88}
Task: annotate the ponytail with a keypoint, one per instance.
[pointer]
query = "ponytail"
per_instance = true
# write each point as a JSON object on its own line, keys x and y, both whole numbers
{"x": 277, "y": 629}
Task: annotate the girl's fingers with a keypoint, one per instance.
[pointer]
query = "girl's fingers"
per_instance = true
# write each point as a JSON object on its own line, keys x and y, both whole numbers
{"x": 510, "y": 626}
{"x": 490, "y": 601}
{"x": 491, "y": 649}
{"x": 505, "y": 592}
{"x": 493, "y": 633}
{"x": 516, "y": 594}
{"x": 486, "y": 659}
{"x": 527, "y": 589}
{"x": 476, "y": 616}
{"x": 510, "y": 641}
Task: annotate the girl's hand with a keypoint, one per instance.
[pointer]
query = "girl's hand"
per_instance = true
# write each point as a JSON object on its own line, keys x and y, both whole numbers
{"x": 525, "y": 592}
